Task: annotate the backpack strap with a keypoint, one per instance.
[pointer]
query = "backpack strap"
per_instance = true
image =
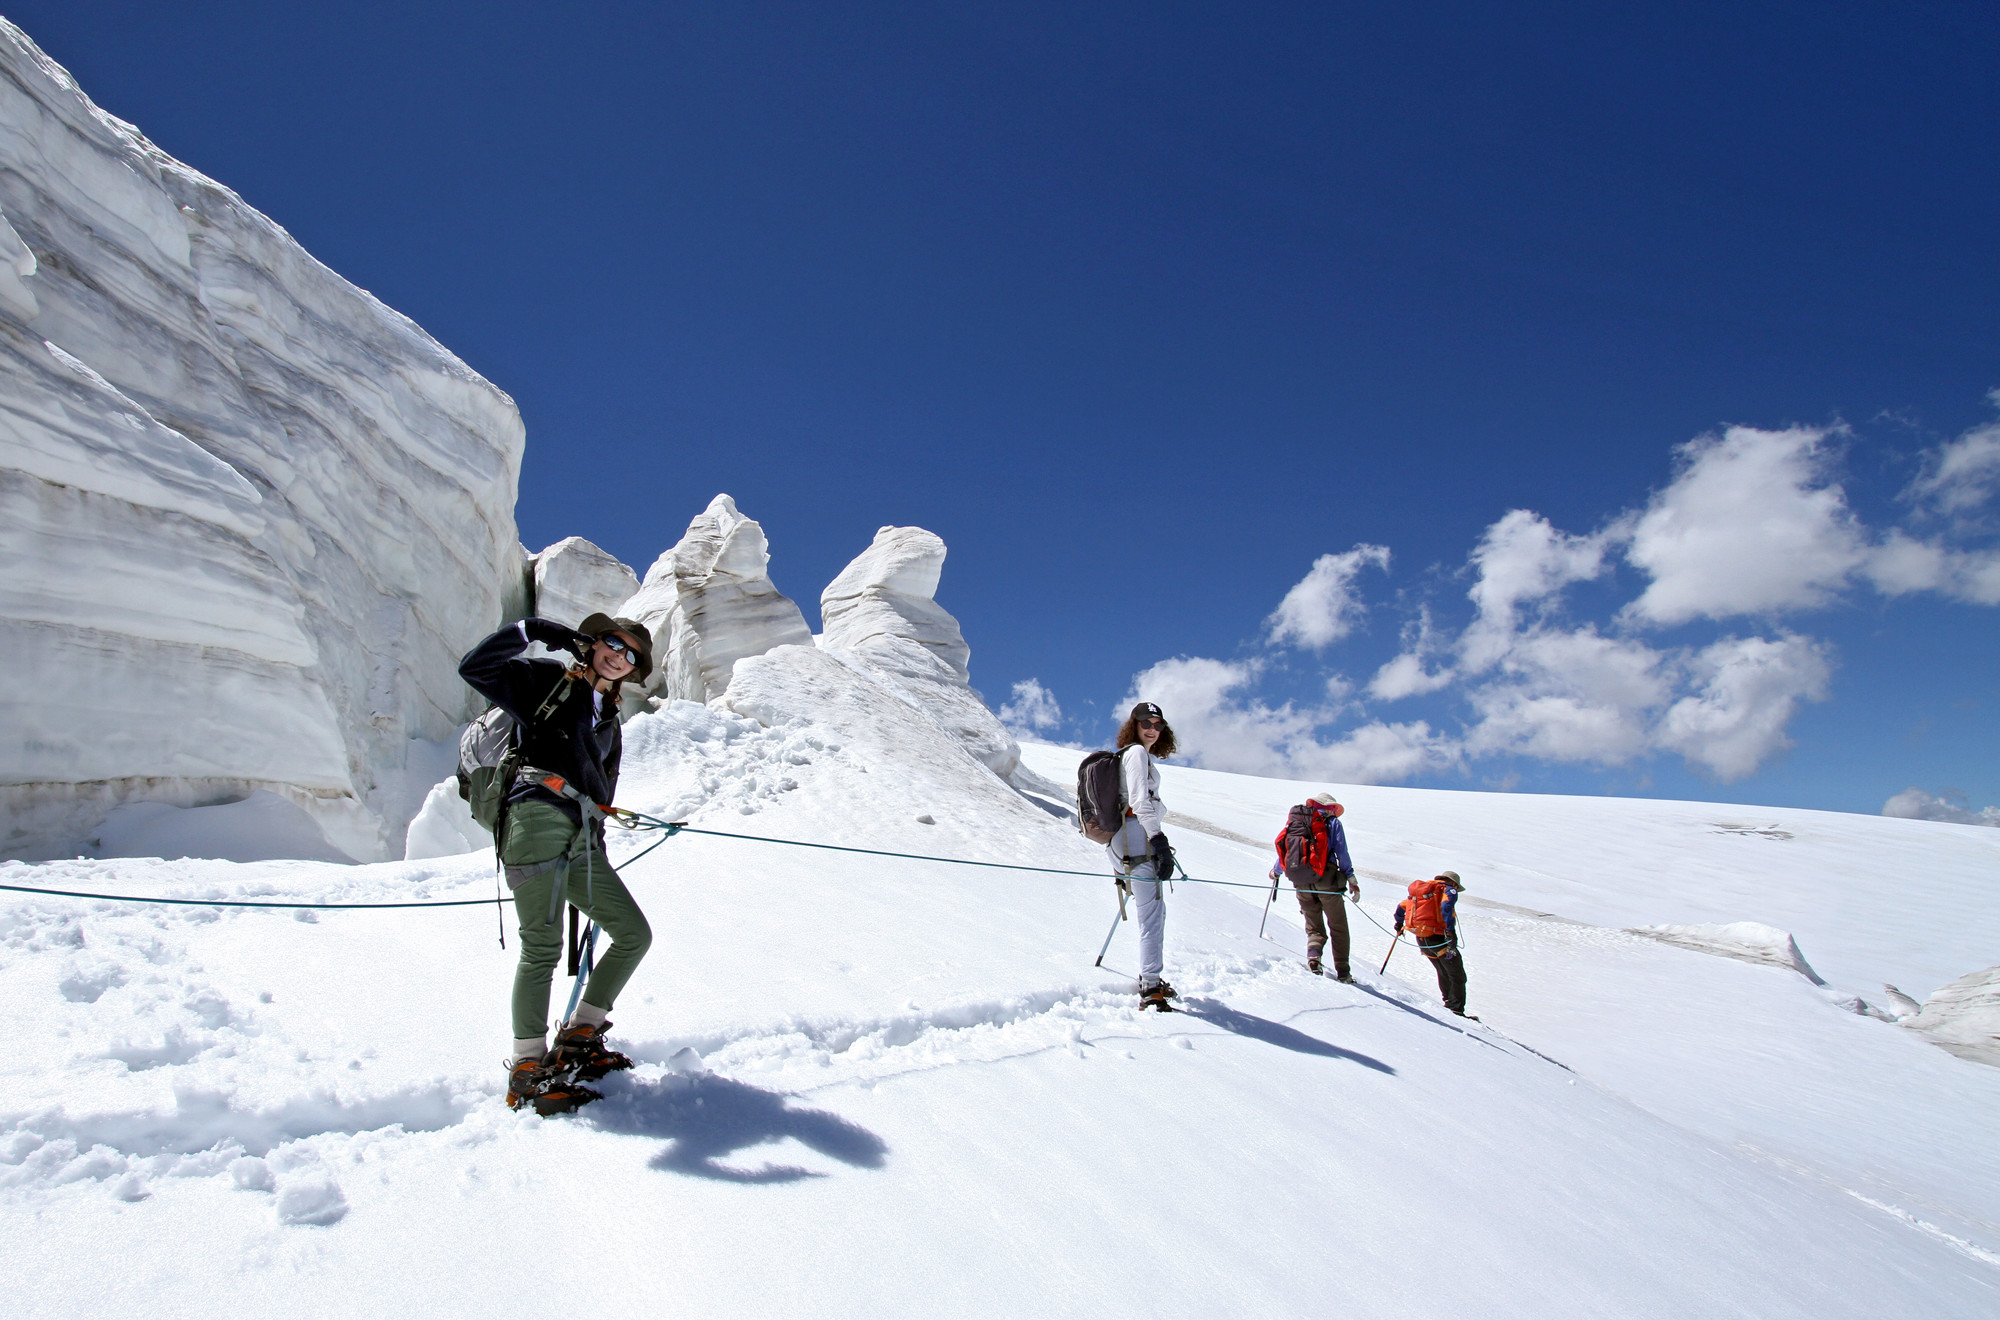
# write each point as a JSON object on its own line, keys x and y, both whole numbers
{"x": 557, "y": 695}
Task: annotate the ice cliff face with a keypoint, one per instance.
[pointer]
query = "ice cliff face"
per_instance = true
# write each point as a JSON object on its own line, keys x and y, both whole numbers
{"x": 574, "y": 579}
{"x": 710, "y": 601}
{"x": 251, "y": 517}
{"x": 882, "y": 610}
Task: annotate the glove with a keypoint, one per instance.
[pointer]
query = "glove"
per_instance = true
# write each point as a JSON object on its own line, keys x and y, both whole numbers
{"x": 558, "y": 637}
{"x": 1163, "y": 856}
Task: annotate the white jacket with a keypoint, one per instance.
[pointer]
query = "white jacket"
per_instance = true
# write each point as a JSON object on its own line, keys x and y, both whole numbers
{"x": 1142, "y": 788}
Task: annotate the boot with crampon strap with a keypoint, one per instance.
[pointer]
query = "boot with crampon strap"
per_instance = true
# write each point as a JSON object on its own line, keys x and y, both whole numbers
{"x": 580, "y": 1051}
{"x": 532, "y": 1084}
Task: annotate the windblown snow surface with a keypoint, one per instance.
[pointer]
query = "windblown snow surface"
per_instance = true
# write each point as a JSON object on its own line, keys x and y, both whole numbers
{"x": 878, "y": 1087}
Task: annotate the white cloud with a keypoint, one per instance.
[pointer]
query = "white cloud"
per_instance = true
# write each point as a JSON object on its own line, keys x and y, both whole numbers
{"x": 1570, "y": 696}
{"x": 1964, "y": 474}
{"x": 1902, "y": 564}
{"x": 1221, "y": 730}
{"x": 1410, "y": 674}
{"x": 1033, "y": 707}
{"x": 1750, "y": 687}
{"x": 1915, "y": 804}
{"x": 1752, "y": 525}
{"x": 1522, "y": 560}
{"x": 1322, "y": 607}
{"x": 1405, "y": 676}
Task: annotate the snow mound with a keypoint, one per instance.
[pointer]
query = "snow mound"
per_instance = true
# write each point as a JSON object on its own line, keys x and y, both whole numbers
{"x": 444, "y": 826}
{"x": 1749, "y": 941}
{"x": 574, "y": 579}
{"x": 261, "y": 827}
{"x": 1964, "y": 1016}
{"x": 882, "y": 609}
{"x": 710, "y": 602}
{"x": 265, "y": 513}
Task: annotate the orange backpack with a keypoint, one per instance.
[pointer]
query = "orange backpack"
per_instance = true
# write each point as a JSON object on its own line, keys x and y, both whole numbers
{"x": 1423, "y": 913}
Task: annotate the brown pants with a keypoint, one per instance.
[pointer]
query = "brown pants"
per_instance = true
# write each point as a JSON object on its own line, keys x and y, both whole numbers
{"x": 1326, "y": 911}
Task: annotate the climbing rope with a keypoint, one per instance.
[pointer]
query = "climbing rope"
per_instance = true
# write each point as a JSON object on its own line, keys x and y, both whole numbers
{"x": 638, "y": 821}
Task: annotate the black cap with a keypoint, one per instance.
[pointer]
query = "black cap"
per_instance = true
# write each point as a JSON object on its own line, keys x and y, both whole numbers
{"x": 1146, "y": 710}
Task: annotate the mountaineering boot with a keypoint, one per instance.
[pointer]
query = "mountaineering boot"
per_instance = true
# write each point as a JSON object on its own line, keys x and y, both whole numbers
{"x": 547, "y": 1090}
{"x": 1156, "y": 996}
{"x": 1345, "y": 978}
{"x": 1312, "y": 965}
{"x": 580, "y": 1050}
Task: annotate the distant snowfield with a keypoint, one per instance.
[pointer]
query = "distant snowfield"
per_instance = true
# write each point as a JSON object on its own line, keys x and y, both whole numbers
{"x": 880, "y": 1087}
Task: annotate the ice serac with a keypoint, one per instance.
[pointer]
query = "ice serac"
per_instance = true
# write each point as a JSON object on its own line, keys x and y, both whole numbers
{"x": 574, "y": 579}
{"x": 251, "y": 516}
{"x": 1964, "y": 1017}
{"x": 710, "y": 602}
{"x": 883, "y": 609}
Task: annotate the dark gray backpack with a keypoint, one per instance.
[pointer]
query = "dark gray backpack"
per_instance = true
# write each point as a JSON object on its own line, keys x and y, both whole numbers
{"x": 489, "y": 754}
{"x": 1100, "y": 796}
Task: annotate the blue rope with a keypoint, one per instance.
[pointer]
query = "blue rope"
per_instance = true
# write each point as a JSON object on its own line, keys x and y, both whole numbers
{"x": 670, "y": 828}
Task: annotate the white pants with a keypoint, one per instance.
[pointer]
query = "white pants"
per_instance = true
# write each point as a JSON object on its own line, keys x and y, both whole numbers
{"x": 1131, "y": 842}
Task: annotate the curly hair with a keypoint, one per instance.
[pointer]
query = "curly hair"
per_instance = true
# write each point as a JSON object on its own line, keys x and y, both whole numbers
{"x": 1128, "y": 734}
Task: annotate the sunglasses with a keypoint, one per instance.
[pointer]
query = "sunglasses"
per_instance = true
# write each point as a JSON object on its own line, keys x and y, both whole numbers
{"x": 619, "y": 647}
{"x": 1152, "y": 724}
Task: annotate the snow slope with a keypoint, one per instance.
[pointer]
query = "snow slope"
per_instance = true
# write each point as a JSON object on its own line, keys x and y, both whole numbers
{"x": 251, "y": 516}
{"x": 871, "y": 1086}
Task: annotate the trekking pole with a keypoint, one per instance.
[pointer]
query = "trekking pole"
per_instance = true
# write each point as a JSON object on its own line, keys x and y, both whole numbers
{"x": 1114, "y": 926}
{"x": 1392, "y": 952}
{"x": 1267, "y": 908}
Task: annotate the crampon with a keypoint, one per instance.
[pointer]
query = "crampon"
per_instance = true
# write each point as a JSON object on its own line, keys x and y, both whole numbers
{"x": 534, "y": 1084}
{"x": 580, "y": 1051}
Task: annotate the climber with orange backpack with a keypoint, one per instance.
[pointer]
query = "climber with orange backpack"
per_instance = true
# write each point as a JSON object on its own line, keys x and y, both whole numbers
{"x": 1429, "y": 913}
{"x": 1312, "y": 854}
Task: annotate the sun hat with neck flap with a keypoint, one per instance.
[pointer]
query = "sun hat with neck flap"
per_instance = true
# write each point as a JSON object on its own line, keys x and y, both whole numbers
{"x": 599, "y": 624}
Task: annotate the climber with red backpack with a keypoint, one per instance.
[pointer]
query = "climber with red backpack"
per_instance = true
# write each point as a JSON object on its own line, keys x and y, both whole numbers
{"x": 1312, "y": 854}
{"x": 1429, "y": 913}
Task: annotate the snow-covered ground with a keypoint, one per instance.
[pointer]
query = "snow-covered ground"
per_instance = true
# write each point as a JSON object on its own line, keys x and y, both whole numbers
{"x": 876, "y": 1087}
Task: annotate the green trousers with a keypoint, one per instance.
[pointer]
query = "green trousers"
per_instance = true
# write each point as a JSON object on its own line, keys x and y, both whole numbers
{"x": 542, "y": 851}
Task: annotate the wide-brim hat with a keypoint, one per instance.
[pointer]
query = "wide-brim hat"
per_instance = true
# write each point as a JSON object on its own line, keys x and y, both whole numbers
{"x": 1324, "y": 799}
{"x": 1451, "y": 878}
{"x": 599, "y": 624}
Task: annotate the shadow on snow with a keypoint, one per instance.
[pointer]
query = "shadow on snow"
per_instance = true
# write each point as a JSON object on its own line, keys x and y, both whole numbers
{"x": 706, "y": 1118}
{"x": 1252, "y": 1027}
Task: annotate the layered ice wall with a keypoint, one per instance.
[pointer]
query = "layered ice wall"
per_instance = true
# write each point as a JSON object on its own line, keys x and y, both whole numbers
{"x": 574, "y": 580}
{"x": 883, "y": 610}
{"x": 710, "y": 602}
{"x": 250, "y": 516}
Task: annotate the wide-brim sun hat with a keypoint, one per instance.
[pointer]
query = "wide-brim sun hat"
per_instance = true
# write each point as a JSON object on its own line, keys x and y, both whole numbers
{"x": 1451, "y": 878}
{"x": 599, "y": 624}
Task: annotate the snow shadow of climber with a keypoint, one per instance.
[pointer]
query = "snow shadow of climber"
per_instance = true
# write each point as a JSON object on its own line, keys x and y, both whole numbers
{"x": 706, "y": 1118}
{"x": 1252, "y": 1027}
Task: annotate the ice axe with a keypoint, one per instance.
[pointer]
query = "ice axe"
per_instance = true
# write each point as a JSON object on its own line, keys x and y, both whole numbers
{"x": 1392, "y": 952}
{"x": 1124, "y": 888}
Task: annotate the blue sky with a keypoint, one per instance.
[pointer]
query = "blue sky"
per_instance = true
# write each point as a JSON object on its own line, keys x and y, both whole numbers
{"x": 1151, "y": 309}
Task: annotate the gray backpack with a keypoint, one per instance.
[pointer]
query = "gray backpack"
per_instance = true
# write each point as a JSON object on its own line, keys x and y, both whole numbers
{"x": 489, "y": 754}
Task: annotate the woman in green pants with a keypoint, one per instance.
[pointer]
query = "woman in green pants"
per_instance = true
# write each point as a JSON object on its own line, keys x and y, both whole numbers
{"x": 551, "y": 837}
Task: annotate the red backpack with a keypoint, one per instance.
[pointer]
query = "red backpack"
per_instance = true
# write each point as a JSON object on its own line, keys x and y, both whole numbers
{"x": 1423, "y": 912}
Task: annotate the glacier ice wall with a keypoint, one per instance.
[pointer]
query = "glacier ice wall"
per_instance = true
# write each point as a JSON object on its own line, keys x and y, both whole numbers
{"x": 574, "y": 580}
{"x": 883, "y": 610}
{"x": 250, "y": 516}
{"x": 710, "y": 602}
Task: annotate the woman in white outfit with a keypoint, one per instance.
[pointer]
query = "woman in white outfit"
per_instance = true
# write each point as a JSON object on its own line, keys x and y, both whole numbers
{"x": 1140, "y": 849}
